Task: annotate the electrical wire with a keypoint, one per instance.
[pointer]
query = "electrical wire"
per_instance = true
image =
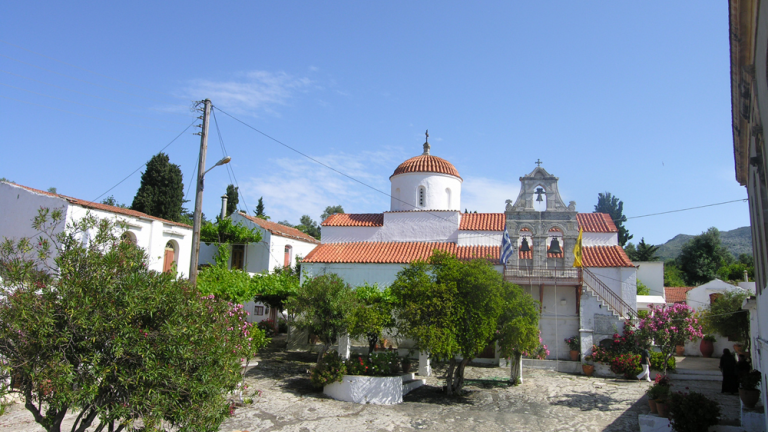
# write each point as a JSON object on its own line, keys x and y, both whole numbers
{"x": 686, "y": 209}
{"x": 90, "y": 71}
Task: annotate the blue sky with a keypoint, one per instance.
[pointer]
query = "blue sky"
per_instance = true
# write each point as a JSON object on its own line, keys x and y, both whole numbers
{"x": 628, "y": 98}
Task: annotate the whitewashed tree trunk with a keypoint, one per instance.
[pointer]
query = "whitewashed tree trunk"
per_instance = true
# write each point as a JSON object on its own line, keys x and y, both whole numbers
{"x": 425, "y": 369}
{"x": 344, "y": 346}
{"x": 516, "y": 369}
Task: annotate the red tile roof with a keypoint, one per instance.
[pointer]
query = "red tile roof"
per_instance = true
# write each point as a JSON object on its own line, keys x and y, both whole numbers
{"x": 393, "y": 252}
{"x": 676, "y": 294}
{"x": 596, "y": 222}
{"x": 605, "y": 256}
{"x": 355, "y": 220}
{"x": 280, "y": 230}
{"x": 102, "y": 207}
{"x": 482, "y": 222}
{"x": 426, "y": 163}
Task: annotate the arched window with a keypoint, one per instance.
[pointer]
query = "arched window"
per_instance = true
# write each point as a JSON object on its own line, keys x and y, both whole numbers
{"x": 128, "y": 237}
{"x": 169, "y": 257}
{"x": 448, "y": 198}
{"x": 422, "y": 196}
{"x": 540, "y": 198}
{"x": 287, "y": 259}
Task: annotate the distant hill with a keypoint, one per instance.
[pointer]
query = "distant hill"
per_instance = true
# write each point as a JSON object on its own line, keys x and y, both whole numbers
{"x": 737, "y": 241}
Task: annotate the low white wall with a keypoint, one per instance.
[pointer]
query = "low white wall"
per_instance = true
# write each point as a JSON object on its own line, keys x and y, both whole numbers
{"x": 367, "y": 389}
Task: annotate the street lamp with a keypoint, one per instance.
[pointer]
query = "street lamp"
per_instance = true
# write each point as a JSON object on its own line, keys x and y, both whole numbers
{"x": 199, "y": 195}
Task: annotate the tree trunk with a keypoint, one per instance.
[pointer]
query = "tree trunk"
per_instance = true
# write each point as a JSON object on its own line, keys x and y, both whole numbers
{"x": 459, "y": 382}
{"x": 449, "y": 377}
{"x": 372, "y": 345}
{"x": 322, "y": 353}
{"x": 516, "y": 369}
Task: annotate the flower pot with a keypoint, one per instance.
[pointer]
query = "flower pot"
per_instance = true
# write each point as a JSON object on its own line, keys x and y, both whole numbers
{"x": 749, "y": 397}
{"x": 662, "y": 408}
{"x": 574, "y": 355}
{"x": 707, "y": 348}
{"x": 652, "y": 404}
{"x": 588, "y": 369}
{"x": 680, "y": 350}
{"x": 406, "y": 366}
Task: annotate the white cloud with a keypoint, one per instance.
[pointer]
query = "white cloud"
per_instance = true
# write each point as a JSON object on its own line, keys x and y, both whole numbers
{"x": 293, "y": 187}
{"x": 250, "y": 92}
{"x": 486, "y": 195}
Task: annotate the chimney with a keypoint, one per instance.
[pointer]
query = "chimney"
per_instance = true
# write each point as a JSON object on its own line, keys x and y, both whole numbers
{"x": 223, "y": 206}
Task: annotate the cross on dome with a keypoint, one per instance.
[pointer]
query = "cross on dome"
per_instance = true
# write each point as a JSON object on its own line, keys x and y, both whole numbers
{"x": 539, "y": 162}
{"x": 426, "y": 143}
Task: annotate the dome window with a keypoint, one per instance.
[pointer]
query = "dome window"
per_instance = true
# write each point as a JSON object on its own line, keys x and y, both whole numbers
{"x": 422, "y": 197}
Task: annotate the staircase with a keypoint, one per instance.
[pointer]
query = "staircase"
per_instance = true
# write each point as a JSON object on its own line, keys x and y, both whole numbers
{"x": 606, "y": 296}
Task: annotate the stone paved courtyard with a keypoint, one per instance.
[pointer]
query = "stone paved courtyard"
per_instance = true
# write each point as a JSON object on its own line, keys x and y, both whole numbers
{"x": 546, "y": 401}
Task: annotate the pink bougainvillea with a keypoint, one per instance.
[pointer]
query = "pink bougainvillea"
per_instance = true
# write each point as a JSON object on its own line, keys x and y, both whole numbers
{"x": 668, "y": 326}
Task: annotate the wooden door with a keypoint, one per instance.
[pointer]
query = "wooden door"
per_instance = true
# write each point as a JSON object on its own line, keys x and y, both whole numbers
{"x": 168, "y": 260}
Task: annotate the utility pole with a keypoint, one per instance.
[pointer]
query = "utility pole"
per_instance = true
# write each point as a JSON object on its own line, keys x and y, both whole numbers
{"x": 199, "y": 195}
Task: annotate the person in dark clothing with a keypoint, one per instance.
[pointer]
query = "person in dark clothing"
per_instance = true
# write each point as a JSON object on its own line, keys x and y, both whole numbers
{"x": 730, "y": 375}
{"x": 644, "y": 355}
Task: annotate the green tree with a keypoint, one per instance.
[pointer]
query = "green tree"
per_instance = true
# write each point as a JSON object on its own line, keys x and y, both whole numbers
{"x": 372, "y": 314}
{"x": 101, "y": 335}
{"x": 667, "y": 327}
{"x": 322, "y": 306}
{"x": 52, "y": 190}
{"x": 642, "y": 289}
{"x": 161, "y": 193}
{"x": 518, "y": 328}
{"x": 259, "y": 211}
{"x": 607, "y": 203}
{"x": 110, "y": 200}
{"x": 631, "y": 251}
{"x": 308, "y": 226}
{"x": 726, "y": 317}
{"x": 450, "y": 308}
{"x": 331, "y": 210}
{"x": 233, "y": 198}
{"x": 673, "y": 276}
{"x": 701, "y": 256}
{"x": 645, "y": 252}
{"x": 224, "y": 231}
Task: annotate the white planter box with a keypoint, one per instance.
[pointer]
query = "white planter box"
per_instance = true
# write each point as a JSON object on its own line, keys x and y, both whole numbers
{"x": 367, "y": 389}
{"x": 603, "y": 370}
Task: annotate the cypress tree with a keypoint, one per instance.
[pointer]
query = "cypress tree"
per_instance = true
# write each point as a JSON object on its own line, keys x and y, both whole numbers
{"x": 161, "y": 193}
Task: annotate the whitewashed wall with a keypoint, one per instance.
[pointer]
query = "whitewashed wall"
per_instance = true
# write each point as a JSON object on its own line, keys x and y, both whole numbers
{"x": 557, "y": 320}
{"x": 417, "y": 226}
{"x": 406, "y": 188}
{"x": 354, "y": 274}
{"x": 621, "y": 280}
{"x": 651, "y": 273}
{"x": 480, "y": 238}
{"x": 599, "y": 239}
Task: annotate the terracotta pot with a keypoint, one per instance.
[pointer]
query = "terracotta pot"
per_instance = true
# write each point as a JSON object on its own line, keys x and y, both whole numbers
{"x": 588, "y": 369}
{"x": 652, "y": 404}
{"x": 749, "y": 397}
{"x": 662, "y": 408}
{"x": 680, "y": 350}
{"x": 707, "y": 348}
{"x": 406, "y": 367}
{"x": 574, "y": 355}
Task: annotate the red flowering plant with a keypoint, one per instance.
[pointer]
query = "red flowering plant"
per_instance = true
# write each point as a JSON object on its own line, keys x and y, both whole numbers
{"x": 667, "y": 327}
{"x": 627, "y": 365}
{"x": 539, "y": 353}
{"x": 626, "y": 343}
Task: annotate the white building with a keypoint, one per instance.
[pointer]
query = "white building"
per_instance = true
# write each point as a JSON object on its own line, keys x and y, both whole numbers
{"x": 280, "y": 246}
{"x": 425, "y": 215}
{"x": 168, "y": 244}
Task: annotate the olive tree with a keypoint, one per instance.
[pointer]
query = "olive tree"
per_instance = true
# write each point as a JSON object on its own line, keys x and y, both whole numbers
{"x": 518, "y": 328}
{"x": 450, "y": 308}
{"x": 372, "y": 315}
{"x": 86, "y": 328}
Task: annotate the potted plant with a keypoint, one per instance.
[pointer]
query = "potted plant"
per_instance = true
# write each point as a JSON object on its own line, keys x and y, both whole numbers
{"x": 707, "y": 346}
{"x": 748, "y": 392}
{"x": 406, "y": 363}
{"x": 692, "y": 412}
{"x": 679, "y": 350}
{"x": 588, "y": 367}
{"x": 660, "y": 392}
{"x": 575, "y": 345}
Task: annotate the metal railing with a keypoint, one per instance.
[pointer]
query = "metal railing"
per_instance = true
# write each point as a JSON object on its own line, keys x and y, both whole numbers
{"x": 542, "y": 273}
{"x": 607, "y": 295}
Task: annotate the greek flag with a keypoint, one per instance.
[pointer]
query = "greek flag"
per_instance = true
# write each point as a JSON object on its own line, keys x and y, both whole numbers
{"x": 506, "y": 247}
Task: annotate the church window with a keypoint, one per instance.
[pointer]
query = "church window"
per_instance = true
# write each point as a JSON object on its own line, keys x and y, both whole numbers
{"x": 422, "y": 197}
{"x": 448, "y": 197}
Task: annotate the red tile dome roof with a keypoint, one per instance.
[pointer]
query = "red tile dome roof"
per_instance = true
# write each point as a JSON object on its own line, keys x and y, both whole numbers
{"x": 426, "y": 163}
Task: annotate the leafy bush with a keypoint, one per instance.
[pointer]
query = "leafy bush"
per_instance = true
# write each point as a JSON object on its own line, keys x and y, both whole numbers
{"x": 658, "y": 392}
{"x": 751, "y": 380}
{"x": 710, "y": 338}
{"x": 656, "y": 362}
{"x": 329, "y": 369}
{"x": 573, "y": 343}
{"x": 627, "y": 365}
{"x": 267, "y": 326}
{"x": 380, "y": 364}
{"x": 692, "y": 412}
{"x": 540, "y": 353}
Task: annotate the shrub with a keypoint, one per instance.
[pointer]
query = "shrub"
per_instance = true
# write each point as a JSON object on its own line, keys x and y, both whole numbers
{"x": 656, "y": 362}
{"x": 540, "y": 353}
{"x": 329, "y": 369}
{"x": 573, "y": 343}
{"x": 268, "y": 327}
{"x": 710, "y": 338}
{"x": 282, "y": 325}
{"x": 627, "y": 365}
{"x": 380, "y": 364}
{"x": 751, "y": 380}
{"x": 692, "y": 412}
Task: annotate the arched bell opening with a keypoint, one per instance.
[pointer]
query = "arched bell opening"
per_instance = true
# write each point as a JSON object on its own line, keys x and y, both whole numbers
{"x": 540, "y": 198}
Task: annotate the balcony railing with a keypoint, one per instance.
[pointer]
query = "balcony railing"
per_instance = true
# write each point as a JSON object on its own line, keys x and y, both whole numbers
{"x": 535, "y": 275}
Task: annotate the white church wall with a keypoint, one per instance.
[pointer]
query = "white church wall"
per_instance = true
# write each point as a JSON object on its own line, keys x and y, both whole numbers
{"x": 480, "y": 238}
{"x": 334, "y": 234}
{"x": 651, "y": 273}
{"x": 621, "y": 280}
{"x": 406, "y": 186}
{"x": 599, "y": 239}
{"x": 436, "y": 226}
{"x": 354, "y": 274}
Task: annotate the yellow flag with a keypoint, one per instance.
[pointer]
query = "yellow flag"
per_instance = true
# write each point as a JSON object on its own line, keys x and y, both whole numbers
{"x": 577, "y": 250}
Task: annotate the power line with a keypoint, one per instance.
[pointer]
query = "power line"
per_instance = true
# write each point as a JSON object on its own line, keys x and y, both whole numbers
{"x": 224, "y": 149}
{"x": 145, "y": 163}
{"x": 81, "y": 80}
{"x": 80, "y": 114}
{"x": 90, "y": 71}
{"x": 86, "y": 105}
{"x": 689, "y": 208}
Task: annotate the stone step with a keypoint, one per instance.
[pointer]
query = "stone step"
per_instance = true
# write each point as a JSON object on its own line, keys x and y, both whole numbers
{"x": 409, "y": 386}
